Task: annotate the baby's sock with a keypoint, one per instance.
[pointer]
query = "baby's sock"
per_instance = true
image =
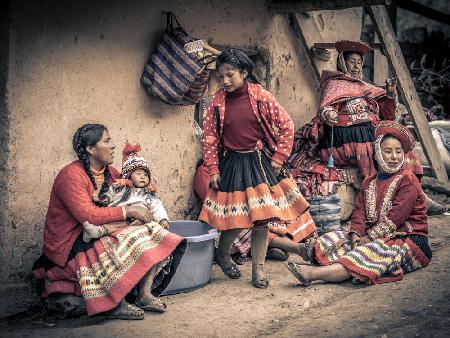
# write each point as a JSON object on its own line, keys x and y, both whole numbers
{"x": 93, "y": 231}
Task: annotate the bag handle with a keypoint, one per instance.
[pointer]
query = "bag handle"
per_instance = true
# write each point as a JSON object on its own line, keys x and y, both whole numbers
{"x": 169, "y": 27}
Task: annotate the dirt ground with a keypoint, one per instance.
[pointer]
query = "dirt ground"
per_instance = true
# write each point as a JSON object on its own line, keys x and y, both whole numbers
{"x": 418, "y": 306}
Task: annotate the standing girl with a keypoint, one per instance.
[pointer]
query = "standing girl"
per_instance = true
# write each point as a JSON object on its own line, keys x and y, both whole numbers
{"x": 247, "y": 137}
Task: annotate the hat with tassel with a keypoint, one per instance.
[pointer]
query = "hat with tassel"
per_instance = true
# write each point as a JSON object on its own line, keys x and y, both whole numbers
{"x": 131, "y": 161}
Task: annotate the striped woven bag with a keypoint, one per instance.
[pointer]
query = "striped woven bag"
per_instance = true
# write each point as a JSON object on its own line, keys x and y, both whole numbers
{"x": 172, "y": 74}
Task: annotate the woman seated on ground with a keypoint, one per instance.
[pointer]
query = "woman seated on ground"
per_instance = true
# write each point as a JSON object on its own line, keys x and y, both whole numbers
{"x": 103, "y": 271}
{"x": 389, "y": 226}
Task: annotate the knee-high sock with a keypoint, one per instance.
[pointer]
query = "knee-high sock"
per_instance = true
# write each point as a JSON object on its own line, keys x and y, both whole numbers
{"x": 226, "y": 240}
{"x": 260, "y": 235}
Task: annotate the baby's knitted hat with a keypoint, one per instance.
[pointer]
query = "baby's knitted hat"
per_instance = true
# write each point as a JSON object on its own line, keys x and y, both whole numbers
{"x": 132, "y": 161}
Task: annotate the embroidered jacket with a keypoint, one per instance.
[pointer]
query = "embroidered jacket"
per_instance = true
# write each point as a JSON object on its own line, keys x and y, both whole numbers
{"x": 392, "y": 207}
{"x": 132, "y": 196}
{"x": 279, "y": 133}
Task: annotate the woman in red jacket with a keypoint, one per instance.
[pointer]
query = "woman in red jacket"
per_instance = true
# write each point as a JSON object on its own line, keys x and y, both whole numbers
{"x": 247, "y": 137}
{"x": 103, "y": 271}
{"x": 389, "y": 225}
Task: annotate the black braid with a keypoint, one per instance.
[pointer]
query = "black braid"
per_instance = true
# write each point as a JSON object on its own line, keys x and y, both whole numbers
{"x": 89, "y": 135}
{"x": 104, "y": 201}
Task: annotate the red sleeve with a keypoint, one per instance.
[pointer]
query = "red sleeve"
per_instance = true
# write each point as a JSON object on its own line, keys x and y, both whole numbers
{"x": 210, "y": 140}
{"x": 358, "y": 220}
{"x": 285, "y": 126}
{"x": 73, "y": 190}
{"x": 387, "y": 106}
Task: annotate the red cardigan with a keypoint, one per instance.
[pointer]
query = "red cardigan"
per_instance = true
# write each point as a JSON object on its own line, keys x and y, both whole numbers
{"x": 279, "y": 136}
{"x": 70, "y": 205}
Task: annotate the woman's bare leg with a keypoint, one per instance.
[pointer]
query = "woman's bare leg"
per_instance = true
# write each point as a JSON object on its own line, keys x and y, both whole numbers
{"x": 146, "y": 300}
{"x": 329, "y": 273}
{"x": 288, "y": 245}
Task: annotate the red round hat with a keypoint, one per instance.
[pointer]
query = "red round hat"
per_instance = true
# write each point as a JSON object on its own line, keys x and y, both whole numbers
{"x": 352, "y": 46}
{"x": 397, "y": 130}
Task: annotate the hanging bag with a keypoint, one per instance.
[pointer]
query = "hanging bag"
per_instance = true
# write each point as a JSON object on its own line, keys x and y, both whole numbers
{"x": 173, "y": 74}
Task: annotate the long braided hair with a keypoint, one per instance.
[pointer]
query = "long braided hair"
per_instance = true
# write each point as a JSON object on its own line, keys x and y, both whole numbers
{"x": 85, "y": 136}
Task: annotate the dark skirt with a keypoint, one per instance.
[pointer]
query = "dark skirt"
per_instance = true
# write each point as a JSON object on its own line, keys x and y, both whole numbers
{"x": 352, "y": 146}
{"x": 105, "y": 270}
{"x": 249, "y": 191}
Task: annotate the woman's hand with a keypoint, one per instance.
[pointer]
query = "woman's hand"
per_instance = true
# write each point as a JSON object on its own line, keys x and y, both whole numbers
{"x": 391, "y": 86}
{"x": 364, "y": 240}
{"x": 355, "y": 239}
{"x": 164, "y": 223}
{"x": 139, "y": 213}
{"x": 214, "y": 181}
{"x": 330, "y": 117}
{"x": 276, "y": 167}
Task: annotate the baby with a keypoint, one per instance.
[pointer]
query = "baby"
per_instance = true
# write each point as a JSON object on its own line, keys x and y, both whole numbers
{"x": 133, "y": 189}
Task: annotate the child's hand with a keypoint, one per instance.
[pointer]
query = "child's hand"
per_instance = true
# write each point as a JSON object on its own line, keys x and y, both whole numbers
{"x": 164, "y": 223}
{"x": 137, "y": 223}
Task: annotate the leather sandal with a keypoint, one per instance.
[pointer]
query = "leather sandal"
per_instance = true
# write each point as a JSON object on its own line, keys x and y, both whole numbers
{"x": 296, "y": 270}
{"x": 125, "y": 312}
{"x": 277, "y": 254}
{"x": 155, "y": 305}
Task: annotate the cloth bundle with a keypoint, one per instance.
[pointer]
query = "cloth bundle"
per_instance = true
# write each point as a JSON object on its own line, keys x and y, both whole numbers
{"x": 326, "y": 212}
{"x": 177, "y": 71}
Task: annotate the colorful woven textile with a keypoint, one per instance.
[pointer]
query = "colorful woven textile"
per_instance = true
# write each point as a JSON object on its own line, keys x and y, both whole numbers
{"x": 380, "y": 261}
{"x": 105, "y": 270}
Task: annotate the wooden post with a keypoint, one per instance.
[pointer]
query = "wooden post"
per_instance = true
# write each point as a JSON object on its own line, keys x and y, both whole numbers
{"x": 394, "y": 55}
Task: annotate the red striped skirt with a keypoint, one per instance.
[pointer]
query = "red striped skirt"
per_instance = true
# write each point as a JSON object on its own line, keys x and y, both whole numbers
{"x": 105, "y": 270}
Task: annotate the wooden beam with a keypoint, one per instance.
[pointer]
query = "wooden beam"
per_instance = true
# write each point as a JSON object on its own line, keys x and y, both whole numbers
{"x": 394, "y": 55}
{"x": 291, "y": 6}
{"x": 330, "y": 45}
{"x": 428, "y": 12}
{"x": 297, "y": 30}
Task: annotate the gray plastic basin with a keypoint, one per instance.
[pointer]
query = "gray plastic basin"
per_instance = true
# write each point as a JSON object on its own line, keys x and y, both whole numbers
{"x": 194, "y": 270}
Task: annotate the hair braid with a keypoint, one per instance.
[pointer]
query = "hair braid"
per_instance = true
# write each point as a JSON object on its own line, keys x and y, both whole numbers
{"x": 105, "y": 186}
{"x": 90, "y": 135}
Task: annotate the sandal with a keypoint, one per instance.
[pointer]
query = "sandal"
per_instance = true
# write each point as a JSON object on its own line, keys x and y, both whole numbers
{"x": 277, "y": 254}
{"x": 124, "y": 311}
{"x": 238, "y": 258}
{"x": 155, "y": 305}
{"x": 231, "y": 271}
{"x": 297, "y": 272}
{"x": 261, "y": 282}
{"x": 310, "y": 249}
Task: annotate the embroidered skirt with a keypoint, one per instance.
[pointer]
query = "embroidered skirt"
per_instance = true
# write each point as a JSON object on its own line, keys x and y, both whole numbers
{"x": 380, "y": 261}
{"x": 105, "y": 270}
{"x": 297, "y": 231}
{"x": 248, "y": 192}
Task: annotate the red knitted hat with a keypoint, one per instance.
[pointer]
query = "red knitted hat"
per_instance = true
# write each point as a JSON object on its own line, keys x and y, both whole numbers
{"x": 352, "y": 46}
{"x": 397, "y": 130}
{"x": 131, "y": 161}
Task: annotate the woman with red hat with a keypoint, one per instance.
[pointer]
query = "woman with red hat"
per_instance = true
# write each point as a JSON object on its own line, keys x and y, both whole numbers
{"x": 389, "y": 225}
